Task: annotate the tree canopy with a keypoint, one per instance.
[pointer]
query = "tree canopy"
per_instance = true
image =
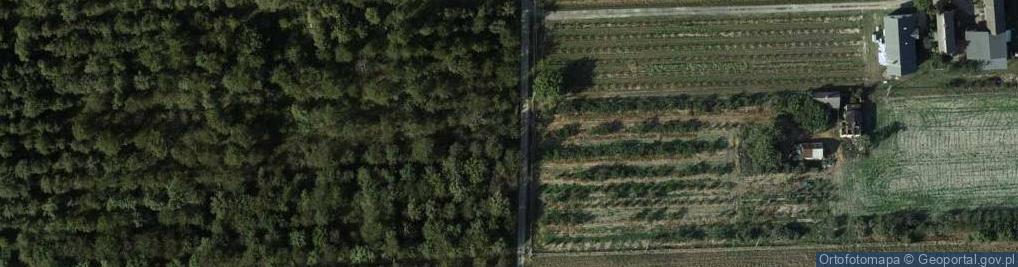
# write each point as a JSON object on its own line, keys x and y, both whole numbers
{"x": 241, "y": 133}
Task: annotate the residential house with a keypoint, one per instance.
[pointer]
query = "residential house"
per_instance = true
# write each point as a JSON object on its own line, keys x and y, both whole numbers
{"x": 901, "y": 37}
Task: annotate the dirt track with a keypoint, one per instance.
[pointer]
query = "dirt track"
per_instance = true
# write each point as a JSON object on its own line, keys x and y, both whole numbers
{"x": 720, "y": 10}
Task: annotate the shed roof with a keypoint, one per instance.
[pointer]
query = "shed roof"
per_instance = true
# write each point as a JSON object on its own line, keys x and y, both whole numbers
{"x": 946, "y": 40}
{"x": 831, "y": 98}
{"x": 812, "y": 151}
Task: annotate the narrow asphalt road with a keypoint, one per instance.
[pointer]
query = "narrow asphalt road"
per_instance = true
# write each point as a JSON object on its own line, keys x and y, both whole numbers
{"x": 526, "y": 121}
{"x": 719, "y": 10}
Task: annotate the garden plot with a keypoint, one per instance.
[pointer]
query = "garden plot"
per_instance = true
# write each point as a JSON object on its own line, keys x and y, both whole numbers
{"x": 713, "y": 54}
{"x": 620, "y": 176}
{"x": 940, "y": 153}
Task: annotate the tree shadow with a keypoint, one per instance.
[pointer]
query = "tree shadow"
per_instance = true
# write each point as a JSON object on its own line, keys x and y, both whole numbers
{"x": 579, "y": 75}
{"x": 883, "y": 133}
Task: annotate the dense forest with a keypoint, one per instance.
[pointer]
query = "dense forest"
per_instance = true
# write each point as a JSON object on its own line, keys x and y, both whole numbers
{"x": 257, "y": 132}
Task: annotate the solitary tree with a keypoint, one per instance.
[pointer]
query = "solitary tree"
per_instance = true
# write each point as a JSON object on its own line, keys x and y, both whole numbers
{"x": 547, "y": 83}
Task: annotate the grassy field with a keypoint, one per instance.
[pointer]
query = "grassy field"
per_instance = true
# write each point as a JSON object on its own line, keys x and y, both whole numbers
{"x": 599, "y": 4}
{"x": 938, "y": 153}
{"x": 766, "y": 256}
{"x": 716, "y": 54}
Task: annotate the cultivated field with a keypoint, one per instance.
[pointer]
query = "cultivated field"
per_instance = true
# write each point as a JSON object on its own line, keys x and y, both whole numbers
{"x": 939, "y": 153}
{"x": 598, "y": 4}
{"x": 645, "y": 176}
{"x": 712, "y": 54}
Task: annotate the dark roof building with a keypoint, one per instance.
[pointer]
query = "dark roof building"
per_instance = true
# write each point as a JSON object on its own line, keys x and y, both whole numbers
{"x": 946, "y": 40}
{"x": 987, "y": 48}
{"x": 901, "y": 37}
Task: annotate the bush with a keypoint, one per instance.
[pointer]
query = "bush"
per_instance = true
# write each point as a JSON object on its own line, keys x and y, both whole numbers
{"x": 758, "y": 151}
{"x": 808, "y": 113}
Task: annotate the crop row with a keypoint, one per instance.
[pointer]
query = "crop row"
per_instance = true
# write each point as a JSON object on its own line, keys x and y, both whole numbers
{"x": 618, "y": 171}
{"x": 701, "y": 33}
{"x": 664, "y": 58}
{"x": 776, "y": 83}
{"x": 652, "y": 125}
{"x": 641, "y": 202}
{"x": 742, "y": 231}
{"x": 716, "y": 68}
{"x": 569, "y": 217}
{"x": 652, "y": 22}
{"x": 592, "y": 4}
{"x": 565, "y": 192}
{"x": 686, "y": 48}
{"x": 632, "y": 148}
{"x": 699, "y": 103}
{"x": 739, "y": 41}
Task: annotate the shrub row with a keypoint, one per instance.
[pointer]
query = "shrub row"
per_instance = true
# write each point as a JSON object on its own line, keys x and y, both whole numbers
{"x": 632, "y": 148}
{"x": 704, "y": 103}
{"x": 567, "y": 217}
{"x": 651, "y": 215}
{"x": 614, "y": 171}
{"x": 677, "y": 126}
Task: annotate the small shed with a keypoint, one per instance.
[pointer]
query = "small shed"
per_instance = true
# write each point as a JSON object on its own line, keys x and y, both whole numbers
{"x": 851, "y": 126}
{"x": 831, "y": 98}
{"x": 811, "y": 151}
{"x": 946, "y": 40}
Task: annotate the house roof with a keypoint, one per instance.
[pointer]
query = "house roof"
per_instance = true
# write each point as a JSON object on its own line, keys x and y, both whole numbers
{"x": 831, "y": 98}
{"x": 900, "y": 36}
{"x": 989, "y": 48}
